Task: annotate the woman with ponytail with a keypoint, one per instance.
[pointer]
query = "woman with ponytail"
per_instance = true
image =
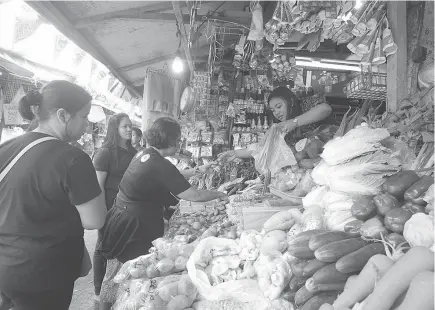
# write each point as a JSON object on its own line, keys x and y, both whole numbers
{"x": 47, "y": 199}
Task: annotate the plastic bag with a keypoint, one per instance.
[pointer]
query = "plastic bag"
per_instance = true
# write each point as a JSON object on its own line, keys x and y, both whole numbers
{"x": 336, "y": 220}
{"x": 400, "y": 151}
{"x": 315, "y": 197}
{"x": 273, "y": 153}
{"x": 274, "y": 274}
{"x": 305, "y": 185}
{"x": 241, "y": 290}
{"x": 320, "y": 173}
{"x": 312, "y": 218}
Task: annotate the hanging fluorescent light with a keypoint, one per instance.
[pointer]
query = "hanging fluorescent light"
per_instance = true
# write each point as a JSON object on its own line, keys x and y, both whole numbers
{"x": 177, "y": 64}
{"x": 325, "y": 65}
{"x": 358, "y": 4}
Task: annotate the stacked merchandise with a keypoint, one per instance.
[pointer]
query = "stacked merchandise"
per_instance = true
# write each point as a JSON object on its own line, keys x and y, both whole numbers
{"x": 248, "y": 109}
{"x": 364, "y": 28}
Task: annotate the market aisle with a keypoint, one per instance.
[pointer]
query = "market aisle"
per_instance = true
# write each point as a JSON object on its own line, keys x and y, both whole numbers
{"x": 83, "y": 298}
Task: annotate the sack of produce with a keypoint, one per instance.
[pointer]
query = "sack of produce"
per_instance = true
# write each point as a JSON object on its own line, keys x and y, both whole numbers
{"x": 214, "y": 268}
{"x": 272, "y": 153}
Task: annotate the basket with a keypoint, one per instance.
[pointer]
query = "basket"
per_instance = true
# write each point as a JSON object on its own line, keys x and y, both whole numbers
{"x": 367, "y": 85}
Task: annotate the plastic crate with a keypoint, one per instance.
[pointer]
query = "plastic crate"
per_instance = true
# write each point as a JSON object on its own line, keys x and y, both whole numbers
{"x": 367, "y": 86}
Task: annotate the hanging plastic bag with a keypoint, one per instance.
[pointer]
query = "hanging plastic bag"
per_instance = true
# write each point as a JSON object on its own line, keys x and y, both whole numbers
{"x": 272, "y": 153}
{"x": 242, "y": 290}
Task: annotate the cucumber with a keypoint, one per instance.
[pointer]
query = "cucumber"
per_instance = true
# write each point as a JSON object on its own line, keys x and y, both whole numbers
{"x": 312, "y": 266}
{"x": 315, "y": 302}
{"x": 298, "y": 245}
{"x": 315, "y": 288}
{"x": 289, "y": 296}
{"x": 332, "y": 252}
{"x": 329, "y": 275}
{"x": 296, "y": 283}
{"x": 355, "y": 261}
{"x": 302, "y": 296}
{"x": 297, "y": 267}
{"x": 322, "y": 239}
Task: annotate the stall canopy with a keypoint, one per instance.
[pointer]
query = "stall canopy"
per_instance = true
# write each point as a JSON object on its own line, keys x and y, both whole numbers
{"x": 128, "y": 37}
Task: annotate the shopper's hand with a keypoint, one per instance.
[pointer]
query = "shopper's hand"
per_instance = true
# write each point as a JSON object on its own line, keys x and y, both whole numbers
{"x": 227, "y": 156}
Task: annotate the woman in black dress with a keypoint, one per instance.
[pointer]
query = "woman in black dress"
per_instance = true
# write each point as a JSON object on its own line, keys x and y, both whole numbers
{"x": 111, "y": 161}
{"x": 150, "y": 184}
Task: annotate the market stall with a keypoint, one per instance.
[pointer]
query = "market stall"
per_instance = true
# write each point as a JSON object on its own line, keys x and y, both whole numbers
{"x": 341, "y": 218}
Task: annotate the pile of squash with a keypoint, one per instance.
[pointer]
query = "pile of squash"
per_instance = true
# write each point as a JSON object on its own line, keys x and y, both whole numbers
{"x": 324, "y": 261}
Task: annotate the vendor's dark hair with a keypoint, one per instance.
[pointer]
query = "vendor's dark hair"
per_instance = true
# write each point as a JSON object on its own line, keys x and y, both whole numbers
{"x": 163, "y": 133}
{"x": 292, "y": 102}
{"x": 111, "y": 141}
{"x": 52, "y": 97}
{"x": 137, "y": 131}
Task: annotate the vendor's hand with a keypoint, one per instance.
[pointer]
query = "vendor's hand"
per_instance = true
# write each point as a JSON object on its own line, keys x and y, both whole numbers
{"x": 227, "y": 156}
{"x": 287, "y": 126}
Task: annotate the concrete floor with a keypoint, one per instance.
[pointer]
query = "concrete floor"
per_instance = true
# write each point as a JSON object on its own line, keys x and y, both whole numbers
{"x": 83, "y": 298}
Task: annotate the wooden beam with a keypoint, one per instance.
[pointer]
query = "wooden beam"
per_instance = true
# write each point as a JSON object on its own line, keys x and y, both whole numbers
{"x": 53, "y": 15}
{"x": 145, "y": 63}
{"x": 151, "y": 17}
{"x": 128, "y": 13}
{"x": 396, "y": 63}
{"x": 184, "y": 43}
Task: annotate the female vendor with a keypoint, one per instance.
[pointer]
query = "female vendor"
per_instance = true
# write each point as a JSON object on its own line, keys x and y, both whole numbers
{"x": 294, "y": 117}
{"x": 150, "y": 183}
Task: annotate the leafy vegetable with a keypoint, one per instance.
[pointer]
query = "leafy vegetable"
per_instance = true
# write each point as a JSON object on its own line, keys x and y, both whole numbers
{"x": 357, "y": 142}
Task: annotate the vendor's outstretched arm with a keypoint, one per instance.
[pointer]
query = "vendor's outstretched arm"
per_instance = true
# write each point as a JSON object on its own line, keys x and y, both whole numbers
{"x": 316, "y": 114}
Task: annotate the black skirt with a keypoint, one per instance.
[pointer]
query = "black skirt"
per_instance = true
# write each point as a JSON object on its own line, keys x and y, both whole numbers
{"x": 129, "y": 230}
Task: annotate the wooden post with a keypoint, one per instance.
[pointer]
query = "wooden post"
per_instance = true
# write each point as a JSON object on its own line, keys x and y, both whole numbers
{"x": 397, "y": 63}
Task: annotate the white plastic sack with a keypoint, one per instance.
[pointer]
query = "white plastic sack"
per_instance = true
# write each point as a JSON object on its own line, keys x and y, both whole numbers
{"x": 241, "y": 290}
{"x": 315, "y": 197}
{"x": 320, "y": 173}
{"x": 273, "y": 153}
